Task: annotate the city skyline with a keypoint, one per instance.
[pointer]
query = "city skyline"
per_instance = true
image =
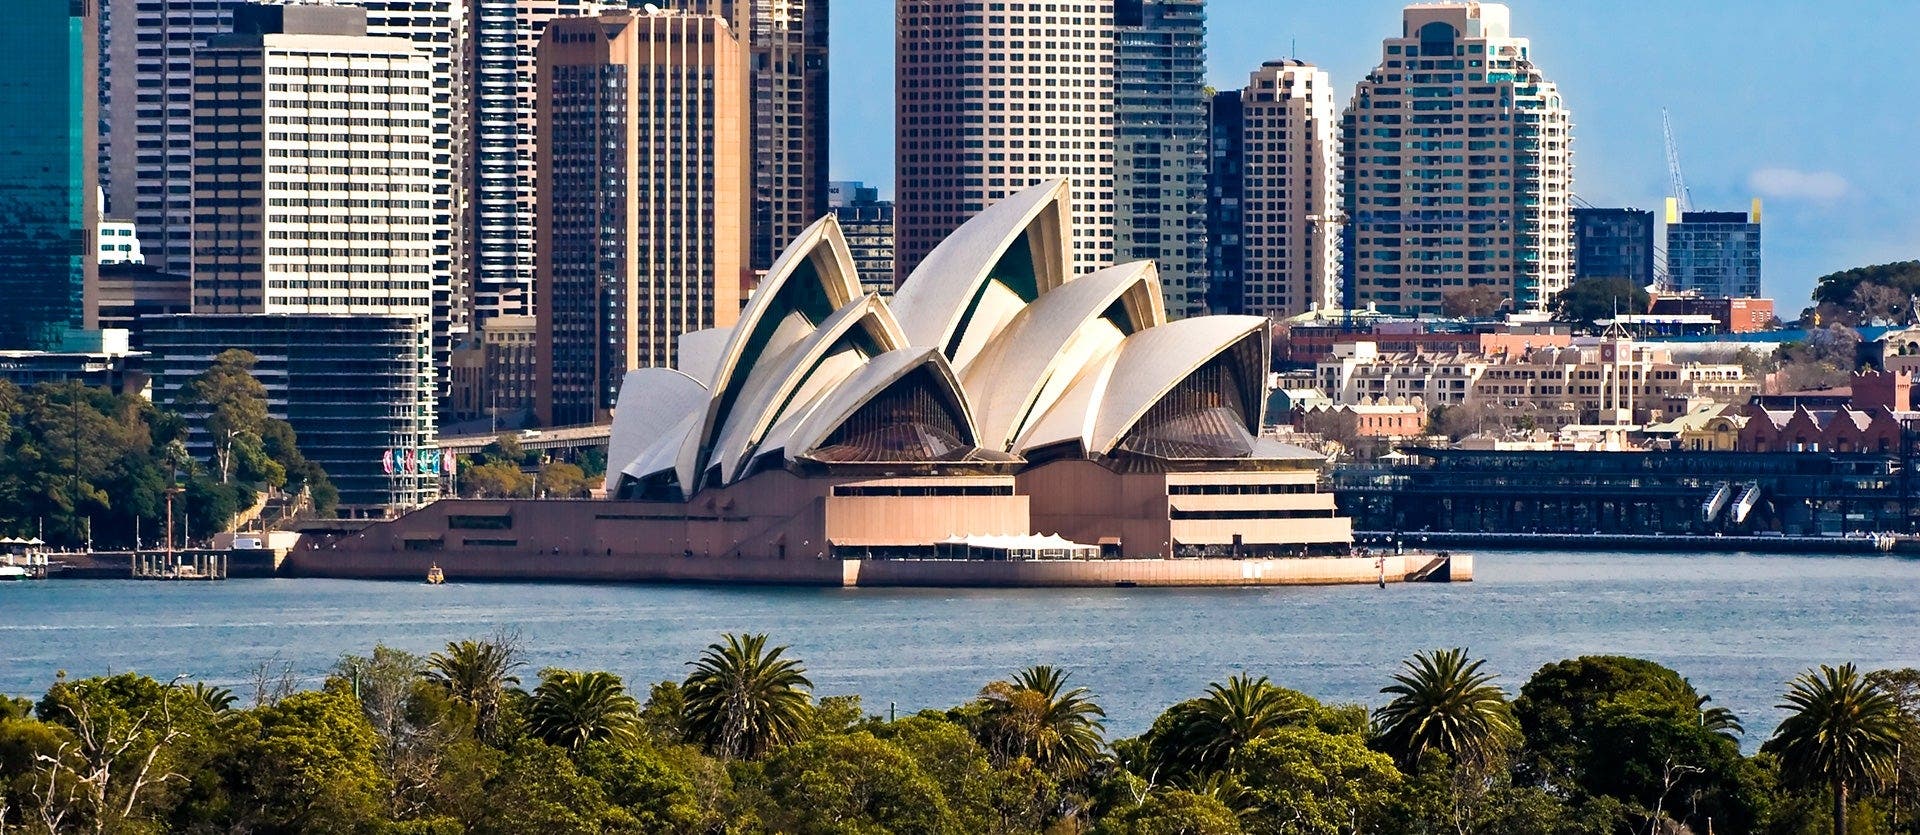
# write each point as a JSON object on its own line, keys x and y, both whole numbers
{"x": 1834, "y": 180}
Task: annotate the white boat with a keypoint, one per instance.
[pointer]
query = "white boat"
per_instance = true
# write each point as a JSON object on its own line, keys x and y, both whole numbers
{"x": 12, "y": 572}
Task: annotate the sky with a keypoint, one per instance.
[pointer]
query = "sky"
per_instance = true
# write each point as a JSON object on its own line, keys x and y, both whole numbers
{"x": 1812, "y": 107}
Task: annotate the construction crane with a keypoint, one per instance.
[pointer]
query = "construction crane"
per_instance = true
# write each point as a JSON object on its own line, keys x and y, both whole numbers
{"x": 1677, "y": 181}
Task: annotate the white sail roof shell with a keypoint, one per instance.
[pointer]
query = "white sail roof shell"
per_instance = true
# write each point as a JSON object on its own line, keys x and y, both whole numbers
{"x": 1109, "y": 397}
{"x": 935, "y": 304}
{"x": 1044, "y": 347}
{"x": 652, "y": 401}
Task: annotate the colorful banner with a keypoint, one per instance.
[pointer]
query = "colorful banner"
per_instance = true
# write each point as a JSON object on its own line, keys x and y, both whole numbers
{"x": 423, "y": 461}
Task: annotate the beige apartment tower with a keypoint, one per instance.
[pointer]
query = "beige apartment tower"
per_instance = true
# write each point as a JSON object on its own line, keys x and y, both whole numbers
{"x": 1290, "y": 202}
{"x": 1459, "y": 167}
{"x": 644, "y": 220}
{"x": 992, "y": 97}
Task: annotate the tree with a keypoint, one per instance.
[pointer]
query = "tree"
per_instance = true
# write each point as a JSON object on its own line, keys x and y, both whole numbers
{"x": 743, "y": 699}
{"x": 1305, "y": 780}
{"x": 1201, "y": 735}
{"x": 1557, "y": 708}
{"x": 570, "y": 709}
{"x": 1443, "y": 703}
{"x": 235, "y": 403}
{"x": 852, "y": 783}
{"x": 1839, "y": 288}
{"x": 561, "y": 480}
{"x": 1036, "y": 717}
{"x": 495, "y": 479}
{"x": 1479, "y": 301}
{"x": 1172, "y": 812}
{"x": 1843, "y": 732}
{"x": 1592, "y": 299}
{"x": 478, "y": 675}
{"x": 308, "y": 763}
{"x": 1460, "y": 419}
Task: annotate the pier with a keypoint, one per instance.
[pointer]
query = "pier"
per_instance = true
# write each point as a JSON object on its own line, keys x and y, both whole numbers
{"x": 180, "y": 565}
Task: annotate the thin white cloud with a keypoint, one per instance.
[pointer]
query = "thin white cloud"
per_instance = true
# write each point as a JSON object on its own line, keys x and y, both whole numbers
{"x": 1793, "y": 184}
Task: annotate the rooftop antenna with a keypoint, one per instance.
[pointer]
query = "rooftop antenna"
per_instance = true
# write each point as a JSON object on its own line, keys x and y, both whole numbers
{"x": 1677, "y": 182}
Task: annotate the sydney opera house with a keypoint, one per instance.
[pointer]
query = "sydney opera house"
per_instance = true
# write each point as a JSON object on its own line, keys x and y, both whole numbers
{"x": 998, "y": 421}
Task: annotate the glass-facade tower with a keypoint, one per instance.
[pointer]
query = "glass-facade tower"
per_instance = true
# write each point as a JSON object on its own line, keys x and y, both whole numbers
{"x": 1160, "y": 144}
{"x": 48, "y": 138}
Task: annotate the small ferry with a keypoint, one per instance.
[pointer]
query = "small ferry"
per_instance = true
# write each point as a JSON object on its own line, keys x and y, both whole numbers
{"x": 435, "y": 576}
{"x": 9, "y": 573}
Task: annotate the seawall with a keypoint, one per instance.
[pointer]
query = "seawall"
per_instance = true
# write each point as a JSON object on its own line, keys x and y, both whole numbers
{"x": 827, "y": 571}
{"x": 1632, "y": 542}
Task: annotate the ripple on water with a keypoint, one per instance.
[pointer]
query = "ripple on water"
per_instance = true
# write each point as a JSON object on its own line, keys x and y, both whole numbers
{"x": 1738, "y": 625}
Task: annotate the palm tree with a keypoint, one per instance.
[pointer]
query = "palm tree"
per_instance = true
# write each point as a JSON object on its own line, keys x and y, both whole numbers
{"x": 1203, "y": 734}
{"x": 571, "y": 709}
{"x": 743, "y": 699}
{"x": 477, "y": 674}
{"x": 1719, "y": 720}
{"x": 1443, "y": 703}
{"x": 1037, "y": 717}
{"x": 216, "y": 699}
{"x": 1843, "y": 733}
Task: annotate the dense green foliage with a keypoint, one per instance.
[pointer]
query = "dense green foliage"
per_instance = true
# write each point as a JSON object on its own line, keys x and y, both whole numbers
{"x": 1593, "y": 299}
{"x": 1877, "y": 291}
{"x": 394, "y": 743}
{"x": 80, "y": 463}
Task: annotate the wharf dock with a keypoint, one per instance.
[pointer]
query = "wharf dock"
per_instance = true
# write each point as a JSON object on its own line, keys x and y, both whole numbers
{"x": 1643, "y": 542}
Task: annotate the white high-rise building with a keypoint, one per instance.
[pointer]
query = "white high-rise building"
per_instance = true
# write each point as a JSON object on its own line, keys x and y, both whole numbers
{"x": 147, "y": 67}
{"x": 317, "y": 174}
{"x": 1289, "y": 147}
{"x": 992, "y": 97}
{"x": 1459, "y": 167}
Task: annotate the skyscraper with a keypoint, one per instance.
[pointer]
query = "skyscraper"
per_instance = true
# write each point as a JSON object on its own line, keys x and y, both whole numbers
{"x": 643, "y": 226}
{"x": 316, "y": 211}
{"x": 1225, "y": 188}
{"x": 866, "y": 222}
{"x": 1714, "y": 254}
{"x": 786, "y": 42}
{"x": 148, "y": 110}
{"x": 48, "y": 211}
{"x": 316, "y": 169}
{"x": 1613, "y": 243}
{"x": 148, "y": 64}
{"x": 1160, "y": 144}
{"x": 1458, "y": 167}
{"x": 986, "y": 103}
{"x": 1278, "y": 140}
{"x": 500, "y": 138}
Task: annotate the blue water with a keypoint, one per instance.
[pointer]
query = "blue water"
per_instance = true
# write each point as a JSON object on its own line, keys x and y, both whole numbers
{"x": 1738, "y": 625}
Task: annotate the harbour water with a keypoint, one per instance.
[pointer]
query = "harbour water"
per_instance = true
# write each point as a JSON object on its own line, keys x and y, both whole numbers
{"x": 1738, "y": 625}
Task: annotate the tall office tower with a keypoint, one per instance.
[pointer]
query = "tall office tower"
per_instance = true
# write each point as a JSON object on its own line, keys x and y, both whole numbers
{"x": 1714, "y": 254}
{"x": 1160, "y": 144}
{"x": 1282, "y": 149}
{"x": 146, "y": 65}
{"x": 1459, "y": 166}
{"x": 1613, "y": 243}
{"x": 787, "y": 44}
{"x": 315, "y": 180}
{"x": 48, "y": 201}
{"x": 866, "y": 222}
{"x": 987, "y": 102}
{"x": 644, "y": 176}
{"x": 439, "y": 28}
{"x": 501, "y": 192}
